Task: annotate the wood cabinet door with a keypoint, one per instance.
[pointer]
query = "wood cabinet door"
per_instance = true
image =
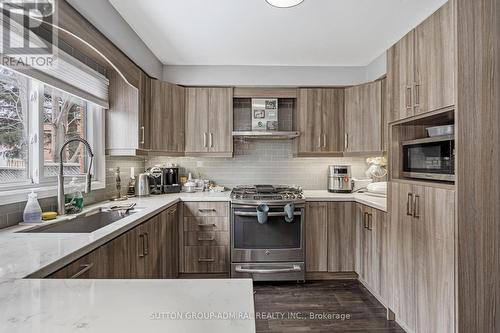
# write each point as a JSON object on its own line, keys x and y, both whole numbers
{"x": 332, "y": 115}
{"x": 121, "y": 255}
{"x": 220, "y": 120}
{"x": 167, "y": 117}
{"x": 379, "y": 254}
{"x": 341, "y": 236}
{"x": 435, "y": 61}
{"x": 363, "y": 118}
{"x": 90, "y": 266}
{"x": 367, "y": 249}
{"x": 317, "y": 237}
{"x": 401, "y": 73}
{"x": 403, "y": 239}
{"x": 434, "y": 266}
{"x": 309, "y": 121}
{"x": 145, "y": 99}
{"x": 196, "y": 135}
{"x": 169, "y": 243}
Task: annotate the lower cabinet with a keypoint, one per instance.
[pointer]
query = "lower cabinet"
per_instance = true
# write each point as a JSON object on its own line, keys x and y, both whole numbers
{"x": 422, "y": 246}
{"x": 372, "y": 235}
{"x": 330, "y": 237}
{"x": 205, "y": 238}
{"x": 149, "y": 251}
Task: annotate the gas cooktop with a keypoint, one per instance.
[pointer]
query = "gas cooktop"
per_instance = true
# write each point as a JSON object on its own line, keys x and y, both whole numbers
{"x": 267, "y": 193}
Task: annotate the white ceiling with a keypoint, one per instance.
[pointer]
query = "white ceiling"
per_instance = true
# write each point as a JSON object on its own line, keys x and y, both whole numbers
{"x": 251, "y": 32}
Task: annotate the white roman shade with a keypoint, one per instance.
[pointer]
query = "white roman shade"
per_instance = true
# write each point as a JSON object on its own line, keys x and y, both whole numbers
{"x": 66, "y": 73}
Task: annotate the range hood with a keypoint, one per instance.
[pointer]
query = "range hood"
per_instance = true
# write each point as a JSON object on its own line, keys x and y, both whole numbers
{"x": 275, "y": 135}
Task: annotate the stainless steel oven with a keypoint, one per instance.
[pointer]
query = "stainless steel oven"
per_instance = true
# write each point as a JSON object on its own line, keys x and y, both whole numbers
{"x": 429, "y": 158}
{"x": 273, "y": 250}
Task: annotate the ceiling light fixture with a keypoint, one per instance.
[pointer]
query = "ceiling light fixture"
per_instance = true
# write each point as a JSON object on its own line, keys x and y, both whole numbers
{"x": 284, "y": 3}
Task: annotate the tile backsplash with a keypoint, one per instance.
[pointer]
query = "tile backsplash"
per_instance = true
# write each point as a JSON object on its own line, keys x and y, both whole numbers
{"x": 263, "y": 162}
{"x": 12, "y": 214}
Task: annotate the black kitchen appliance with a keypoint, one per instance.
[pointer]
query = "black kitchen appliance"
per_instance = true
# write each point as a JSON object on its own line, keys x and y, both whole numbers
{"x": 171, "y": 180}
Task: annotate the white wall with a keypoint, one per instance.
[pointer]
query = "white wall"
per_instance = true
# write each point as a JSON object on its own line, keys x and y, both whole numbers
{"x": 274, "y": 75}
{"x": 109, "y": 22}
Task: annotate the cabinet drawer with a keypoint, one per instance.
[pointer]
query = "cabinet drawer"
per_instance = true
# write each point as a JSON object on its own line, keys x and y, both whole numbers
{"x": 206, "y": 224}
{"x": 206, "y": 209}
{"x": 206, "y": 259}
{"x": 208, "y": 238}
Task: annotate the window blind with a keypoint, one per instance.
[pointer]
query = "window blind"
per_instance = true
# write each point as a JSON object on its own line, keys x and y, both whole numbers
{"x": 65, "y": 73}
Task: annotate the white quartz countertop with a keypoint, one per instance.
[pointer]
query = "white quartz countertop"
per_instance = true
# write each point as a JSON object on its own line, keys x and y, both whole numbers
{"x": 376, "y": 202}
{"x": 22, "y": 254}
{"x": 37, "y": 305}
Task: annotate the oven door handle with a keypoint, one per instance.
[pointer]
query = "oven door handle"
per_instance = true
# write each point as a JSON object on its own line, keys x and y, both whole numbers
{"x": 237, "y": 213}
{"x": 294, "y": 268}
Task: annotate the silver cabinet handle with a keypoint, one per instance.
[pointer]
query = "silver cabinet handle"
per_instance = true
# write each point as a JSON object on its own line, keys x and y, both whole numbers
{"x": 84, "y": 269}
{"x": 416, "y": 206}
{"x": 201, "y": 210}
{"x": 408, "y": 103}
{"x": 146, "y": 243}
{"x": 237, "y": 213}
{"x": 370, "y": 222}
{"x": 205, "y": 140}
{"x": 206, "y": 260}
{"x": 209, "y": 239}
{"x": 409, "y": 204}
{"x": 294, "y": 268}
{"x": 324, "y": 140}
{"x": 142, "y": 254}
{"x": 319, "y": 141}
{"x": 346, "y": 140}
{"x": 143, "y": 135}
{"x": 207, "y": 225}
{"x": 365, "y": 220}
{"x": 417, "y": 95}
{"x": 211, "y": 140}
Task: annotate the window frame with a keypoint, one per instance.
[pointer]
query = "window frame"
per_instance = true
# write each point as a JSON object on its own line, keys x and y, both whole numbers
{"x": 47, "y": 185}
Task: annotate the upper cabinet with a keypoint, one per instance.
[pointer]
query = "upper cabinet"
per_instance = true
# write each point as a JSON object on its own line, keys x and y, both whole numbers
{"x": 421, "y": 67}
{"x": 167, "y": 118}
{"x": 363, "y": 118}
{"x": 127, "y": 130}
{"x": 320, "y": 121}
{"x": 209, "y": 121}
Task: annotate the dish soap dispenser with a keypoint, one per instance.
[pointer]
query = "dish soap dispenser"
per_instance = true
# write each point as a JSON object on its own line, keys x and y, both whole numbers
{"x": 32, "y": 211}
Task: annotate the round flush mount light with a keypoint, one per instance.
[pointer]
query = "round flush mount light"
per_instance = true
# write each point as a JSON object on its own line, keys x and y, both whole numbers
{"x": 284, "y": 3}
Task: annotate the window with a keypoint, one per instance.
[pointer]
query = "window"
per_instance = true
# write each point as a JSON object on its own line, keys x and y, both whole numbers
{"x": 14, "y": 154}
{"x": 35, "y": 121}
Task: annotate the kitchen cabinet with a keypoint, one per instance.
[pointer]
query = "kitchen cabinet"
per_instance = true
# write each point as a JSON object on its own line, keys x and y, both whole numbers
{"x": 316, "y": 236}
{"x": 209, "y": 121}
{"x": 420, "y": 67}
{"x": 330, "y": 237}
{"x": 422, "y": 239}
{"x": 363, "y": 118}
{"x": 205, "y": 241}
{"x": 148, "y": 251}
{"x": 373, "y": 250}
{"x": 341, "y": 237}
{"x": 321, "y": 122}
{"x": 167, "y": 118}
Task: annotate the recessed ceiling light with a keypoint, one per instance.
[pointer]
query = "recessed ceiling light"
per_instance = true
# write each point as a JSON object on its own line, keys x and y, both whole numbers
{"x": 284, "y": 3}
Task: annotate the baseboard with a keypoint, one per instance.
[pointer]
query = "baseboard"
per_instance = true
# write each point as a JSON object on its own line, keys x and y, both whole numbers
{"x": 331, "y": 276}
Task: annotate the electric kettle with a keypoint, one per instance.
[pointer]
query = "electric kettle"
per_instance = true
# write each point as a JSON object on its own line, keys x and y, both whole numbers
{"x": 142, "y": 185}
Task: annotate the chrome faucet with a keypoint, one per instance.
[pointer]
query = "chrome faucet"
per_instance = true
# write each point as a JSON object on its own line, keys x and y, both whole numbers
{"x": 61, "y": 209}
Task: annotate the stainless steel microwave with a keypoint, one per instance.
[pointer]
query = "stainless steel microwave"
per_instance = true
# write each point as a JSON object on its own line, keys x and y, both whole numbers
{"x": 429, "y": 158}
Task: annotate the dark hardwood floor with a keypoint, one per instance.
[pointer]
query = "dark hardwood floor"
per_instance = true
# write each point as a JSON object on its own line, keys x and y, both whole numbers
{"x": 276, "y": 304}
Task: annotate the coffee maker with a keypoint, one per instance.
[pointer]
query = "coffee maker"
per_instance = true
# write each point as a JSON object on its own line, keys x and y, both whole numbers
{"x": 155, "y": 176}
{"x": 171, "y": 180}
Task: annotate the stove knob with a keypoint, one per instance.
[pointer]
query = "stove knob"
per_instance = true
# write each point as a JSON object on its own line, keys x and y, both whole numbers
{"x": 286, "y": 196}
{"x": 299, "y": 196}
{"x": 292, "y": 196}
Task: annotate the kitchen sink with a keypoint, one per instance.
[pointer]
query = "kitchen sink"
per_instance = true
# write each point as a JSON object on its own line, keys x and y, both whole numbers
{"x": 83, "y": 223}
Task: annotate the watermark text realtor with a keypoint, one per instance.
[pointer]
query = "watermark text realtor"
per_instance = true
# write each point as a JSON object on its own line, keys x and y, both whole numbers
{"x": 28, "y": 33}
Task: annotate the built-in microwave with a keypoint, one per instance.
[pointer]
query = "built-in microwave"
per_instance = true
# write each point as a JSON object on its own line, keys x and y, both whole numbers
{"x": 429, "y": 158}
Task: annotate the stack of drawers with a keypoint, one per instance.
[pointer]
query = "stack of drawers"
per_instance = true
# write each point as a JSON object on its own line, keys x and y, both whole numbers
{"x": 206, "y": 237}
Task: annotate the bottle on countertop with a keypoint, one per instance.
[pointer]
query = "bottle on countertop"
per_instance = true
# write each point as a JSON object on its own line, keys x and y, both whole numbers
{"x": 74, "y": 197}
{"x": 32, "y": 211}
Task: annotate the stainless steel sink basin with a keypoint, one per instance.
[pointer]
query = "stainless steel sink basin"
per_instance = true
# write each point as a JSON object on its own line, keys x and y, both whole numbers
{"x": 85, "y": 223}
